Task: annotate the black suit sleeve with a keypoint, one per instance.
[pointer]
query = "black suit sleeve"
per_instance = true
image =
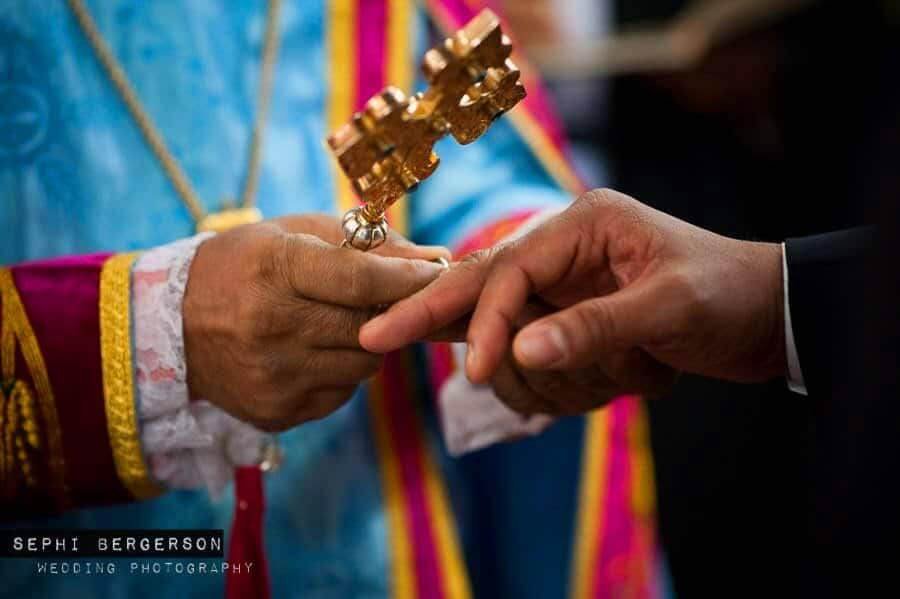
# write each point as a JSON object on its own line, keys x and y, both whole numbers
{"x": 827, "y": 292}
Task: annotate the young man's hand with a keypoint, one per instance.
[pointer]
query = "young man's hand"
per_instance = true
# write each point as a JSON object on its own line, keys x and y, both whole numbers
{"x": 632, "y": 286}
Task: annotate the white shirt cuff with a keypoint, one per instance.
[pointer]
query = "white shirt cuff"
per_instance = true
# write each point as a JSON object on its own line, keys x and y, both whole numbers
{"x": 795, "y": 380}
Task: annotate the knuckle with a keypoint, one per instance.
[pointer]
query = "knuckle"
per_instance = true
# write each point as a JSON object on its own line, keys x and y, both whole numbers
{"x": 252, "y": 317}
{"x": 346, "y": 328}
{"x": 597, "y": 323}
{"x": 478, "y": 258}
{"x": 360, "y": 281}
{"x": 270, "y": 258}
{"x": 479, "y": 263}
{"x": 595, "y": 198}
{"x": 605, "y": 200}
{"x": 506, "y": 259}
{"x": 266, "y": 256}
{"x": 278, "y": 256}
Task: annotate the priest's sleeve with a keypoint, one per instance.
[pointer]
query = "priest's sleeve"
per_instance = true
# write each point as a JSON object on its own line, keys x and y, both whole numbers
{"x": 70, "y": 431}
{"x": 94, "y": 405}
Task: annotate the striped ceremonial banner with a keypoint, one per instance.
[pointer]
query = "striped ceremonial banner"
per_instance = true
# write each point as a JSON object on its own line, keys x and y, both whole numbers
{"x": 614, "y": 552}
{"x": 364, "y": 58}
{"x": 342, "y": 69}
{"x": 370, "y": 46}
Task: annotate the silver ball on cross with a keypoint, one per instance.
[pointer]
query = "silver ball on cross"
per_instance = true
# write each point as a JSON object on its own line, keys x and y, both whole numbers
{"x": 361, "y": 231}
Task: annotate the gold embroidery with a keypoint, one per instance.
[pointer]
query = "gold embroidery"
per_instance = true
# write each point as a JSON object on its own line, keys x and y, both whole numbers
{"x": 24, "y": 456}
{"x": 21, "y": 441}
{"x": 10, "y": 472}
{"x": 118, "y": 379}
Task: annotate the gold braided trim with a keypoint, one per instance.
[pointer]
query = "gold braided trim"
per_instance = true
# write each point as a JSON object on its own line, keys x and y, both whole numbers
{"x": 20, "y": 449}
{"x": 8, "y": 295}
{"x": 16, "y": 327}
{"x": 118, "y": 377}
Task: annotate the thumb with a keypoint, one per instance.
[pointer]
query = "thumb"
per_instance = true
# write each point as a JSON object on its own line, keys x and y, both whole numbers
{"x": 398, "y": 246}
{"x": 575, "y": 336}
{"x": 412, "y": 251}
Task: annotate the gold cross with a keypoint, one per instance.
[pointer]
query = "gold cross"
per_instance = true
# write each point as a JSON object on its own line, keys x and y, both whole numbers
{"x": 387, "y": 149}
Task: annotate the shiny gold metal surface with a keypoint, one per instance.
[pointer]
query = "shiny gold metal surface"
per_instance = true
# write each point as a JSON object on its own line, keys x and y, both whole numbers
{"x": 388, "y": 148}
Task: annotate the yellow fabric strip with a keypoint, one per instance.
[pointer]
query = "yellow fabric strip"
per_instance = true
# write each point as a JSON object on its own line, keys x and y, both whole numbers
{"x": 453, "y": 569}
{"x": 403, "y": 574}
{"x": 343, "y": 65}
{"x": 592, "y": 498}
{"x": 341, "y": 23}
{"x": 118, "y": 379}
{"x": 399, "y": 73}
{"x": 16, "y": 327}
{"x": 643, "y": 495}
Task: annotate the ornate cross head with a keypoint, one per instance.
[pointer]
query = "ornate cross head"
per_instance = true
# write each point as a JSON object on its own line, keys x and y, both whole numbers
{"x": 388, "y": 147}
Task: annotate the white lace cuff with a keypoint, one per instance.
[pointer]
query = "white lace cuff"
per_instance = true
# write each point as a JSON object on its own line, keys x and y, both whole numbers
{"x": 188, "y": 444}
{"x": 472, "y": 417}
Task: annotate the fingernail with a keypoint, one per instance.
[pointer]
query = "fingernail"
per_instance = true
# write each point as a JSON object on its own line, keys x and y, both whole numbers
{"x": 372, "y": 323}
{"x": 431, "y": 266}
{"x": 443, "y": 263}
{"x": 470, "y": 356}
{"x": 440, "y": 250}
{"x": 540, "y": 346}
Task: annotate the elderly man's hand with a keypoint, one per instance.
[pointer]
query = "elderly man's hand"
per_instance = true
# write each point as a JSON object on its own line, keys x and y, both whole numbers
{"x": 633, "y": 287}
{"x": 272, "y": 315}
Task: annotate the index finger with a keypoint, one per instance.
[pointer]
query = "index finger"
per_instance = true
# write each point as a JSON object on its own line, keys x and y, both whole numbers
{"x": 446, "y": 300}
{"x": 495, "y": 282}
{"x": 536, "y": 262}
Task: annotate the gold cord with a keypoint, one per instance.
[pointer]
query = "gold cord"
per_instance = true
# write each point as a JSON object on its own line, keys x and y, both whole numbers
{"x": 148, "y": 129}
{"x": 118, "y": 377}
{"x": 263, "y": 102}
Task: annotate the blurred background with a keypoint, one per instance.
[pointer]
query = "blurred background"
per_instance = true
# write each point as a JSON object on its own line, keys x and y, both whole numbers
{"x": 758, "y": 119}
